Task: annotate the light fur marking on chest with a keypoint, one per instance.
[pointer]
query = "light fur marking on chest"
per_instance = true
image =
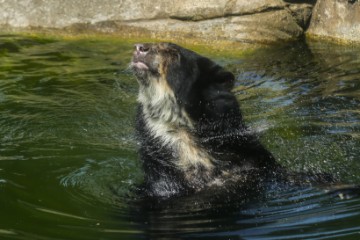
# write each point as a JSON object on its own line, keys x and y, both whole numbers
{"x": 170, "y": 123}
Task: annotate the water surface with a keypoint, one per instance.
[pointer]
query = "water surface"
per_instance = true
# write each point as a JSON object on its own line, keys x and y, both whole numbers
{"x": 68, "y": 161}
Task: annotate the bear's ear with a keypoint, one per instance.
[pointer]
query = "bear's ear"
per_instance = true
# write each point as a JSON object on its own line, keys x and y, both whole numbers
{"x": 225, "y": 78}
{"x": 212, "y": 73}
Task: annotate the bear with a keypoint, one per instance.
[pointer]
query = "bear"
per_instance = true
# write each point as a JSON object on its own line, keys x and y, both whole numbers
{"x": 190, "y": 128}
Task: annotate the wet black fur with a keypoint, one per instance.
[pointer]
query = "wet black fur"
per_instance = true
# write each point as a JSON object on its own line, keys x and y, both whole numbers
{"x": 203, "y": 89}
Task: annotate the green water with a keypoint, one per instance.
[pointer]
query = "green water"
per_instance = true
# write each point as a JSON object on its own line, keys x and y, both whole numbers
{"x": 68, "y": 161}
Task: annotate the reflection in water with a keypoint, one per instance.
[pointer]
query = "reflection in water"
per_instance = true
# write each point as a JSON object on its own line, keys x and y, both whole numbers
{"x": 306, "y": 105}
{"x": 279, "y": 214}
{"x": 68, "y": 161}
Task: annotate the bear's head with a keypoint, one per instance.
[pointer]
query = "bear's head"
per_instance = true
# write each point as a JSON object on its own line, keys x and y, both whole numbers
{"x": 179, "y": 72}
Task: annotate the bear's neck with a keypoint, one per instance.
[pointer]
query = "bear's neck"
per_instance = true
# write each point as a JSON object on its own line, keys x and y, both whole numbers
{"x": 167, "y": 121}
{"x": 160, "y": 105}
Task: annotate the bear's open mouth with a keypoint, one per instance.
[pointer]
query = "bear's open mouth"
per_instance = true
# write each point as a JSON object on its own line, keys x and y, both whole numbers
{"x": 139, "y": 65}
{"x": 140, "y": 52}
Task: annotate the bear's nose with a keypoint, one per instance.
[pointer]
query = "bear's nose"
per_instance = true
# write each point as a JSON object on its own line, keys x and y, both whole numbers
{"x": 141, "y": 48}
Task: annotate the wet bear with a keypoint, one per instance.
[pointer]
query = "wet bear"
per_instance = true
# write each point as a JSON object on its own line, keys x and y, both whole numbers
{"x": 191, "y": 132}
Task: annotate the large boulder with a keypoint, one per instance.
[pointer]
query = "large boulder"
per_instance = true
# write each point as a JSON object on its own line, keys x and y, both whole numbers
{"x": 235, "y": 20}
{"x": 338, "y": 19}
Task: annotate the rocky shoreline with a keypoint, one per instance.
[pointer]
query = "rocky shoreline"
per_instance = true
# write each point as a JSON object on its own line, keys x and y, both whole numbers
{"x": 258, "y": 21}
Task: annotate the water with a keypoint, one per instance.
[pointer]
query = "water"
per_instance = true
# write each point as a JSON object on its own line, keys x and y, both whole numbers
{"x": 68, "y": 161}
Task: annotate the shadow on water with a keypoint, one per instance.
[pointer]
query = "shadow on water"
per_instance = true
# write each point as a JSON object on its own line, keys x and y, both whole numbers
{"x": 68, "y": 161}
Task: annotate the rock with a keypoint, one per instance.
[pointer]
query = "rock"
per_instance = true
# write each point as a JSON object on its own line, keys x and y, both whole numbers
{"x": 338, "y": 19}
{"x": 302, "y": 14}
{"x": 254, "y": 28}
{"x": 210, "y": 20}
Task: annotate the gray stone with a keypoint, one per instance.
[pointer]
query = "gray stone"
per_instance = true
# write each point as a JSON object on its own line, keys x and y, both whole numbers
{"x": 234, "y": 20}
{"x": 338, "y": 19}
